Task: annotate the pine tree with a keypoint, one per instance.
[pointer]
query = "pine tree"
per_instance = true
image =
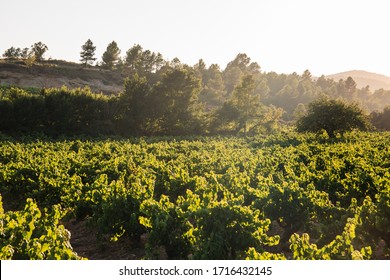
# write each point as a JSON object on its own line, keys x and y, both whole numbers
{"x": 111, "y": 55}
{"x": 87, "y": 53}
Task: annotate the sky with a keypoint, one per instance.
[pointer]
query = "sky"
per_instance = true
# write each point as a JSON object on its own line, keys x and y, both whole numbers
{"x": 285, "y": 36}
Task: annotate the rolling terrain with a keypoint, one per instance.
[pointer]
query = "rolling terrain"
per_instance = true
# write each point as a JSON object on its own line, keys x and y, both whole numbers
{"x": 364, "y": 78}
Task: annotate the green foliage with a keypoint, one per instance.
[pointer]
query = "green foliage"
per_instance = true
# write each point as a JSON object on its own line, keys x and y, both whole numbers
{"x": 246, "y": 101}
{"x": 173, "y": 100}
{"x": 57, "y": 111}
{"x": 236, "y": 69}
{"x": 227, "y": 229}
{"x": 12, "y": 53}
{"x": 373, "y": 217}
{"x": 31, "y": 234}
{"x": 237, "y": 99}
{"x": 332, "y": 116}
{"x": 87, "y": 53}
{"x": 208, "y": 198}
{"x": 286, "y": 92}
{"x": 381, "y": 120}
{"x": 169, "y": 230}
{"x": 224, "y": 120}
{"x": 242, "y": 108}
{"x": 252, "y": 254}
{"x": 340, "y": 248}
{"x": 39, "y": 49}
{"x": 116, "y": 208}
{"x": 134, "y": 105}
{"x": 111, "y": 55}
{"x": 25, "y": 54}
{"x": 213, "y": 88}
{"x": 141, "y": 62}
{"x": 167, "y": 107}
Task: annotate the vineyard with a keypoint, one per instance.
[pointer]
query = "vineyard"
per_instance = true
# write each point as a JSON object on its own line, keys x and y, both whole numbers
{"x": 285, "y": 196}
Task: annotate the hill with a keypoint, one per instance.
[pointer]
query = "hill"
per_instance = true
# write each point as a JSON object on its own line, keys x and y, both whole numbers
{"x": 57, "y": 73}
{"x": 364, "y": 78}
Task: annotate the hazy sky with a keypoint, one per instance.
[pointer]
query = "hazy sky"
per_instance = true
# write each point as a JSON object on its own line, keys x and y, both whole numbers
{"x": 285, "y": 36}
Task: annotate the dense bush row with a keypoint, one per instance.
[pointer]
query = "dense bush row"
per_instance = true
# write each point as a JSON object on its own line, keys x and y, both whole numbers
{"x": 159, "y": 110}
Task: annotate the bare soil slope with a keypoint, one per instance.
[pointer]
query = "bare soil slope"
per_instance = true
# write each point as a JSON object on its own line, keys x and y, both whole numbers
{"x": 57, "y": 73}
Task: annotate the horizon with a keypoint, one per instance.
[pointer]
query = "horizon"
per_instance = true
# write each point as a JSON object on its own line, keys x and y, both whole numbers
{"x": 326, "y": 37}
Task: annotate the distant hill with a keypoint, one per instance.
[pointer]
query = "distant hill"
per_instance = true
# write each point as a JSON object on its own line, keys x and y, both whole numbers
{"x": 364, "y": 78}
{"x": 57, "y": 73}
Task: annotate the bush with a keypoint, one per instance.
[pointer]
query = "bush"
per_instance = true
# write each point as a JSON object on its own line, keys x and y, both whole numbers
{"x": 333, "y": 116}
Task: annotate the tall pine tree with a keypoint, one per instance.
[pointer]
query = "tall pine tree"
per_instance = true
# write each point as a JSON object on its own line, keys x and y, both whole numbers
{"x": 87, "y": 53}
{"x": 111, "y": 55}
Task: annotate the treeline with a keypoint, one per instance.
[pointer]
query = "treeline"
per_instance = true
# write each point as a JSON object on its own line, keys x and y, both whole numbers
{"x": 167, "y": 108}
{"x": 28, "y": 55}
{"x": 56, "y": 111}
{"x": 163, "y": 97}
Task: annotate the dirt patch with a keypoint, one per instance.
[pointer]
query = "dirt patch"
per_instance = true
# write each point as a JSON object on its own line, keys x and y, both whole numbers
{"x": 86, "y": 244}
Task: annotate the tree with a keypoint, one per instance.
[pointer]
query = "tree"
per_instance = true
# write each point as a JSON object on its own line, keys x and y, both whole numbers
{"x": 381, "y": 120}
{"x": 243, "y": 108}
{"x": 111, "y": 55}
{"x": 350, "y": 85}
{"x": 332, "y": 116}
{"x": 213, "y": 91}
{"x": 306, "y": 75}
{"x": 151, "y": 62}
{"x": 347, "y": 88}
{"x": 174, "y": 102}
{"x": 232, "y": 76}
{"x": 299, "y": 111}
{"x": 327, "y": 86}
{"x": 12, "y": 53}
{"x": 144, "y": 63}
{"x": 87, "y": 53}
{"x": 134, "y": 104}
{"x": 246, "y": 101}
{"x": 241, "y": 61}
{"x": 38, "y": 50}
{"x": 238, "y": 68}
{"x": 270, "y": 118}
{"x": 134, "y": 57}
{"x": 25, "y": 53}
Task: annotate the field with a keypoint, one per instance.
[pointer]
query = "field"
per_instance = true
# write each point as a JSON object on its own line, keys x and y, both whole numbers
{"x": 285, "y": 196}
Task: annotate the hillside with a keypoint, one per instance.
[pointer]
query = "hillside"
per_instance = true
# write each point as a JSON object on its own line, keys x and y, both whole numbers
{"x": 364, "y": 78}
{"x": 57, "y": 73}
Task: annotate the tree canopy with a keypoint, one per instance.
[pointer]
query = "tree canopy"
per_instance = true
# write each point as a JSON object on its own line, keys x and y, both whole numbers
{"x": 88, "y": 52}
{"x": 381, "y": 120}
{"x": 333, "y": 116}
{"x": 246, "y": 101}
{"x": 12, "y": 52}
{"x": 39, "y": 49}
{"x": 111, "y": 55}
